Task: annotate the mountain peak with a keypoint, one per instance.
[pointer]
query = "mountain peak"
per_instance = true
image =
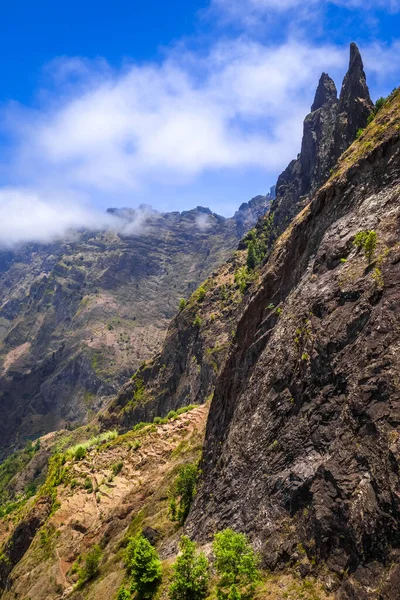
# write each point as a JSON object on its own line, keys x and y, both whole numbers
{"x": 326, "y": 92}
{"x": 355, "y": 86}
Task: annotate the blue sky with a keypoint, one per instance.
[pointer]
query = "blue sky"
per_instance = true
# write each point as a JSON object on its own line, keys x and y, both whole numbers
{"x": 172, "y": 104}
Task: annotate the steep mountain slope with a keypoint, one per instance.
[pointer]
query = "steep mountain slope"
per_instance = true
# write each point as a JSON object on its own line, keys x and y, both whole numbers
{"x": 297, "y": 358}
{"x": 78, "y": 317}
{"x": 302, "y": 444}
{"x": 195, "y": 351}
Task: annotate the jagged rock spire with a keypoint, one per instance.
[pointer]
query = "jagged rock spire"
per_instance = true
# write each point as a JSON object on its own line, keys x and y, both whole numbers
{"x": 326, "y": 92}
{"x": 354, "y": 84}
{"x": 355, "y": 104}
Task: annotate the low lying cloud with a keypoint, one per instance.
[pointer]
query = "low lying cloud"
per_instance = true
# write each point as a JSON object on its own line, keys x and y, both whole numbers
{"x": 240, "y": 105}
{"x": 27, "y": 217}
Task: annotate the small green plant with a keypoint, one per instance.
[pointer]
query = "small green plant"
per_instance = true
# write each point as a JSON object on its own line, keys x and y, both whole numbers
{"x": 370, "y": 245}
{"x": 172, "y": 415}
{"x": 199, "y": 294}
{"x": 88, "y": 485}
{"x": 305, "y": 356}
{"x": 191, "y": 577}
{"x": 90, "y": 567}
{"x": 236, "y": 563}
{"x": 242, "y": 279}
{"x": 123, "y": 594}
{"x": 182, "y": 304}
{"x": 359, "y": 133}
{"x": 144, "y": 567}
{"x": 183, "y": 491}
{"x": 234, "y": 593}
{"x": 80, "y": 453}
{"x": 343, "y": 260}
{"x": 366, "y": 241}
{"x": 380, "y": 103}
{"x": 253, "y": 257}
{"x": 117, "y": 468}
{"x": 378, "y": 278}
{"x": 197, "y": 322}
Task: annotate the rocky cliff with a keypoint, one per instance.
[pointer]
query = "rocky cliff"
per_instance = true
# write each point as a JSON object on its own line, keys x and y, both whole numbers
{"x": 194, "y": 352}
{"x": 302, "y": 444}
{"x": 328, "y": 131}
{"x": 296, "y": 359}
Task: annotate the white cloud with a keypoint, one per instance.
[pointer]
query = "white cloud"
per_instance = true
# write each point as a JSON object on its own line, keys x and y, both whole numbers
{"x": 246, "y": 11}
{"x": 105, "y": 133}
{"x": 27, "y": 216}
{"x": 241, "y": 105}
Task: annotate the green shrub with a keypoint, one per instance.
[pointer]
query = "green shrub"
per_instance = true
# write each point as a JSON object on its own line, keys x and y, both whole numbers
{"x": 117, "y": 468}
{"x": 90, "y": 567}
{"x": 380, "y": 103}
{"x": 252, "y": 256}
{"x": 359, "y": 133}
{"x": 88, "y": 485}
{"x": 123, "y": 594}
{"x": 183, "y": 492}
{"x": 366, "y": 241}
{"x": 234, "y": 593}
{"x": 182, "y": 304}
{"x": 107, "y": 436}
{"x": 80, "y": 453}
{"x": 199, "y": 294}
{"x": 242, "y": 279}
{"x": 197, "y": 322}
{"x": 144, "y": 567}
{"x": 171, "y": 415}
{"x": 378, "y": 278}
{"x": 191, "y": 573}
{"x": 235, "y": 560}
{"x": 370, "y": 245}
{"x": 370, "y": 118}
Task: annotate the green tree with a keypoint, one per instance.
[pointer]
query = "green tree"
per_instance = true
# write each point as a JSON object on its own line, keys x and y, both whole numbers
{"x": 183, "y": 492}
{"x": 123, "y": 594}
{"x": 235, "y": 559}
{"x": 80, "y": 453}
{"x": 252, "y": 255}
{"x": 370, "y": 245}
{"x": 182, "y": 303}
{"x": 234, "y": 593}
{"x": 191, "y": 574}
{"x": 144, "y": 567}
{"x": 198, "y": 321}
{"x": 367, "y": 241}
{"x": 91, "y": 565}
{"x": 380, "y": 103}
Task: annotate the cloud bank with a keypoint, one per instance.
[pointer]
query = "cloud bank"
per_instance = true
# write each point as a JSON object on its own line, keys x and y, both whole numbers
{"x": 98, "y": 132}
{"x": 26, "y": 216}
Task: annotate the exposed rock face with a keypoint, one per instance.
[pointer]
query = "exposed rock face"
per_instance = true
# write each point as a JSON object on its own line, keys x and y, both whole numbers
{"x": 329, "y": 130}
{"x": 355, "y": 104}
{"x": 302, "y": 447}
{"x": 78, "y": 317}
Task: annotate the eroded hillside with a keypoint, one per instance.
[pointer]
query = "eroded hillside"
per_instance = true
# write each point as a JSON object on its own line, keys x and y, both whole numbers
{"x": 79, "y": 316}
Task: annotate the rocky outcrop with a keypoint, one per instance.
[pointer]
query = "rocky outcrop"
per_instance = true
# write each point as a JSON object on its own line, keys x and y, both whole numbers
{"x": 355, "y": 104}
{"x": 328, "y": 131}
{"x": 302, "y": 447}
